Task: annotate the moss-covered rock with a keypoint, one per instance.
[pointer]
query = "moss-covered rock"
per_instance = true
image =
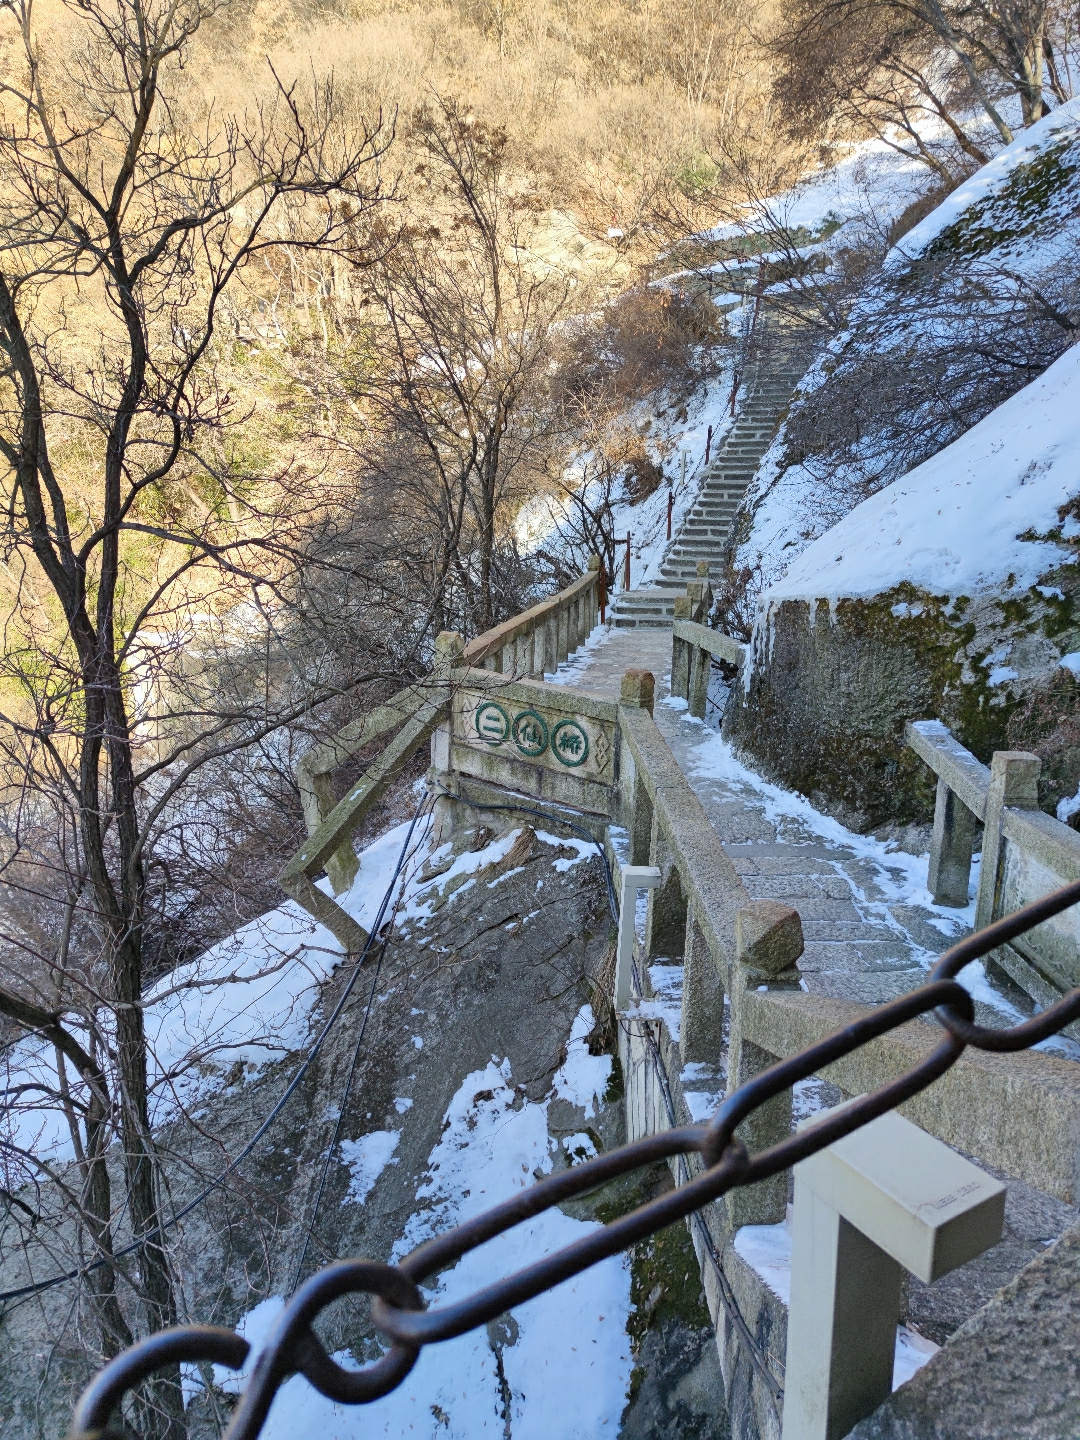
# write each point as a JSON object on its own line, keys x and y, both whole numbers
{"x": 833, "y": 684}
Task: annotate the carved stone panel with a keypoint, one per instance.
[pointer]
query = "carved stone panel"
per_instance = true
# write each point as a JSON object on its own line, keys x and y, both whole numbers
{"x": 564, "y": 741}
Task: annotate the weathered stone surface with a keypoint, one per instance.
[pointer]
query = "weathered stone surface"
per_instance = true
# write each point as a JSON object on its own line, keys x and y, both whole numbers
{"x": 638, "y": 689}
{"x": 1013, "y": 1369}
{"x": 1019, "y": 1112}
{"x": 768, "y": 936}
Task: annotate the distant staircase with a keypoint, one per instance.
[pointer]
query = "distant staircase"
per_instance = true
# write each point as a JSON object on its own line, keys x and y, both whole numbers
{"x": 704, "y": 531}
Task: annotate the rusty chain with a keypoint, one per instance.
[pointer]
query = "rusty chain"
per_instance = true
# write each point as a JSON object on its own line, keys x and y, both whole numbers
{"x": 398, "y": 1307}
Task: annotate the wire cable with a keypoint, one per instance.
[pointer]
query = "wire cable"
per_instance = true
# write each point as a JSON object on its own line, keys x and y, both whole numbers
{"x": 38, "y": 1287}
{"x": 310, "y": 1228}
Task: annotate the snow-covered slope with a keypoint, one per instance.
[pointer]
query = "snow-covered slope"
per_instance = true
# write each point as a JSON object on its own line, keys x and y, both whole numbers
{"x": 987, "y": 507}
{"x": 969, "y": 305}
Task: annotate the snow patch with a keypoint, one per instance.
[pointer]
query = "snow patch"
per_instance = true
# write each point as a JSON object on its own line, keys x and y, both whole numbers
{"x": 367, "y": 1158}
{"x": 582, "y": 1078}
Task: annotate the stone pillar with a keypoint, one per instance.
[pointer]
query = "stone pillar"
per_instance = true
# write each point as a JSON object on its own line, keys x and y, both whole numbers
{"x": 636, "y": 692}
{"x": 449, "y": 648}
{"x": 665, "y": 926}
{"x": 700, "y": 668}
{"x": 768, "y": 943}
{"x": 563, "y": 623}
{"x": 950, "y": 849}
{"x": 680, "y": 653}
{"x": 701, "y": 1031}
{"x": 594, "y": 593}
{"x": 882, "y": 1200}
{"x": 1014, "y": 780}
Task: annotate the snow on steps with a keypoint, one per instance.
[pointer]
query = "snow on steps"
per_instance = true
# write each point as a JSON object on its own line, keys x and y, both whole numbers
{"x": 704, "y": 532}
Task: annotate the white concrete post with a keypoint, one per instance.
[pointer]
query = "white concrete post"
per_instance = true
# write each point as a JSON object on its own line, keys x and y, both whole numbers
{"x": 632, "y": 878}
{"x": 887, "y": 1198}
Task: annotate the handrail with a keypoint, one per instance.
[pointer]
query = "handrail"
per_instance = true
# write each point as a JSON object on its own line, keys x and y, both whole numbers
{"x": 582, "y": 596}
{"x": 530, "y": 644}
{"x": 1024, "y": 850}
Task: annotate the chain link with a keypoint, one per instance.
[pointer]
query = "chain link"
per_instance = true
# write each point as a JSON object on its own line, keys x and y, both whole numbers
{"x": 398, "y": 1307}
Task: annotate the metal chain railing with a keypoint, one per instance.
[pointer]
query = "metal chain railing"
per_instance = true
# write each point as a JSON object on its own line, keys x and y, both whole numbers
{"x": 398, "y": 1308}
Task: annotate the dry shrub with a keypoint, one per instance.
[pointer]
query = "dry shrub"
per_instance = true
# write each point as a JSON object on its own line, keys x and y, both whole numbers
{"x": 650, "y": 339}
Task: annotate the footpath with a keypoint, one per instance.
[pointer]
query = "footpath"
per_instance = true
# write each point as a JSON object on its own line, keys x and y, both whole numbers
{"x": 870, "y": 926}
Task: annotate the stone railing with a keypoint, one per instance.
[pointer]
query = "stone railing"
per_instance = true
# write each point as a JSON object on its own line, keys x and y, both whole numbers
{"x": 500, "y": 735}
{"x": 693, "y": 649}
{"x": 533, "y": 643}
{"x": 1025, "y": 855}
{"x": 536, "y": 642}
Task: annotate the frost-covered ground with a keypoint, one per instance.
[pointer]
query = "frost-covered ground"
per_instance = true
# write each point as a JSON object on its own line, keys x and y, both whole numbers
{"x": 570, "y": 1342}
{"x": 882, "y": 886}
{"x": 954, "y": 525}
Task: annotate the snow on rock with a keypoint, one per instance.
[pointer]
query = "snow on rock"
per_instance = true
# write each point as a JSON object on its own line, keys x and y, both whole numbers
{"x": 367, "y": 1158}
{"x": 983, "y": 186}
{"x": 953, "y": 525}
{"x": 582, "y": 1078}
{"x": 1008, "y": 221}
{"x": 570, "y": 1341}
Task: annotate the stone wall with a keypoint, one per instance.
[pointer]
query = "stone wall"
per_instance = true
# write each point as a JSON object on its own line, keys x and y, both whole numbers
{"x": 822, "y": 707}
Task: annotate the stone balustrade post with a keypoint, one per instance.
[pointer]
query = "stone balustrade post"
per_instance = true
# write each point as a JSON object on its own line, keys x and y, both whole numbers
{"x": 1014, "y": 781}
{"x": 637, "y": 692}
{"x": 563, "y": 622}
{"x": 680, "y": 652}
{"x": 953, "y": 840}
{"x": 883, "y": 1200}
{"x": 698, "y": 688}
{"x": 768, "y": 944}
{"x": 594, "y": 592}
{"x": 701, "y": 1030}
{"x": 665, "y": 925}
{"x": 449, "y": 648}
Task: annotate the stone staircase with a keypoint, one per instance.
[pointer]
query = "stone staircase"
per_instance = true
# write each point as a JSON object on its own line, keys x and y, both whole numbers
{"x": 704, "y": 531}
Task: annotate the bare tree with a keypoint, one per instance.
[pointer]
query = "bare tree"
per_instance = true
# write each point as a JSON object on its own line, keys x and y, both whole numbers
{"x": 468, "y": 312}
{"x": 124, "y": 225}
{"x": 905, "y": 68}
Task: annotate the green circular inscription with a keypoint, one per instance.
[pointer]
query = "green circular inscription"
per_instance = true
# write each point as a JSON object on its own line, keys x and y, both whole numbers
{"x": 530, "y": 733}
{"x": 569, "y": 743}
{"x": 492, "y": 722}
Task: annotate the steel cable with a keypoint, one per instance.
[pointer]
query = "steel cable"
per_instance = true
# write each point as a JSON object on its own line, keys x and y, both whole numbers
{"x": 40, "y": 1286}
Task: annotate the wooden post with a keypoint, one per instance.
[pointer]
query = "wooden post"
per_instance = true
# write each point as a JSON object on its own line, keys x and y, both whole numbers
{"x": 626, "y": 568}
{"x": 1014, "y": 780}
{"x": 768, "y": 943}
{"x": 670, "y": 505}
{"x": 950, "y": 849}
{"x": 708, "y": 443}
